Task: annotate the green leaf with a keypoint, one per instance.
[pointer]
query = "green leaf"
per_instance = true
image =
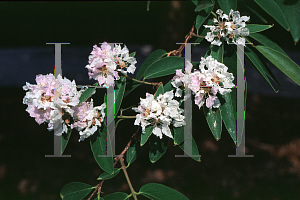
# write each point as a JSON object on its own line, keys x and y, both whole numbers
{"x": 257, "y": 64}
{"x": 158, "y": 147}
{"x": 106, "y": 176}
{"x": 254, "y": 28}
{"x": 266, "y": 41}
{"x": 214, "y": 121}
{"x": 291, "y": 11}
{"x": 133, "y": 151}
{"x": 130, "y": 86}
{"x": 155, "y": 191}
{"x": 228, "y": 112}
{"x": 75, "y": 190}
{"x": 119, "y": 93}
{"x": 203, "y": 4}
{"x": 98, "y": 146}
{"x": 204, "y": 31}
{"x": 178, "y": 135}
{"x": 146, "y": 135}
{"x": 164, "y": 67}
{"x": 168, "y": 86}
{"x": 272, "y": 8}
{"x": 87, "y": 93}
{"x": 132, "y": 54}
{"x": 116, "y": 196}
{"x": 153, "y": 57}
{"x": 226, "y": 5}
{"x": 202, "y": 16}
{"x": 160, "y": 90}
{"x": 193, "y": 149}
{"x": 217, "y": 52}
{"x": 228, "y": 101}
{"x": 195, "y": 2}
{"x": 282, "y": 62}
{"x": 65, "y": 139}
{"x": 256, "y": 13}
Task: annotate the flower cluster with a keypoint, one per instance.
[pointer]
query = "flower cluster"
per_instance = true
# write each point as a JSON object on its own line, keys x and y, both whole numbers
{"x": 87, "y": 118}
{"x": 51, "y": 100}
{"x": 104, "y": 63}
{"x": 230, "y": 27}
{"x": 159, "y": 113}
{"x": 55, "y": 101}
{"x": 211, "y": 78}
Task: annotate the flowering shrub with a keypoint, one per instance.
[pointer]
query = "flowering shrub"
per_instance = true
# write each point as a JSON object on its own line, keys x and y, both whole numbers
{"x": 212, "y": 82}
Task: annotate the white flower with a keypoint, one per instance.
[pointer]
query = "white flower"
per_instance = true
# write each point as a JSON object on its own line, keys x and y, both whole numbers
{"x": 50, "y": 100}
{"x": 230, "y": 27}
{"x": 160, "y": 113}
{"x": 211, "y": 78}
{"x": 87, "y": 118}
{"x": 104, "y": 63}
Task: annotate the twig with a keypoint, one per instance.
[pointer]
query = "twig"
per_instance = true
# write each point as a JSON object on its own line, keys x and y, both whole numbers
{"x": 187, "y": 38}
{"x": 99, "y": 186}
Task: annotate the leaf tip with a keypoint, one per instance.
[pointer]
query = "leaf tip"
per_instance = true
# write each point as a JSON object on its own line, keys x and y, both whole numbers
{"x": 272, "y": 25}
{"x": 296, "y": 42}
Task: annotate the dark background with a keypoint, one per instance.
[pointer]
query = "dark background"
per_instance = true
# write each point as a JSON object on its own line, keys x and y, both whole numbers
{"x": 272, "y": 121}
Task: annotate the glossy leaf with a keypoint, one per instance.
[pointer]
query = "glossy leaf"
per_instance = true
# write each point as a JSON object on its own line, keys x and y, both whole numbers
{"x": 217, "y": 53}
{"x": 133, "y": 151}
{"x": 254, "y": 28}
{"x": 116, "y": 196}
{"x": 228, "y": 112}
{"x": 228, "y": 101}
{"x": 164, "y": 66}
{"x": 168, "y": 86}
{"x": 214, "y": 121}
{"x": 130, "y": 86}
{"x": 282, "y": 62}
{"x": 158, "y": 147}
{"x": 155, "y": 191}
{"x": 272, "y": 8}
{"x": 291, "y": 11}
{"x": 203, "y": 4}
{"x": 193, "y": 149}
{"x": 75, "y": 190}
{"x": 202, "y": 16}
{"x": 98, "y": 146}
{"x": 226, "y": 5}
{"x": 204, "y": 31}
{"x": 160, "y": 90}
{"x": 153, "y": 57}
{"x": 65, "y": 139}
{"x": 106, "y": 176}
{"x": 146, "y": 135}
{"x": 119, "y": 93}
{"x": 256, "y": 13}
{"x": 178, "y": 135}
{"x": 87, "y": 93}
{"x": 266, "y": 41}
{"x": 257, "y": 64}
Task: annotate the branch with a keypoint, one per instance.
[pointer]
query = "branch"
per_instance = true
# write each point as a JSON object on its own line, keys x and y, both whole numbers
{"x": 187, "y": 38}
{"x": 99, "y": 186}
